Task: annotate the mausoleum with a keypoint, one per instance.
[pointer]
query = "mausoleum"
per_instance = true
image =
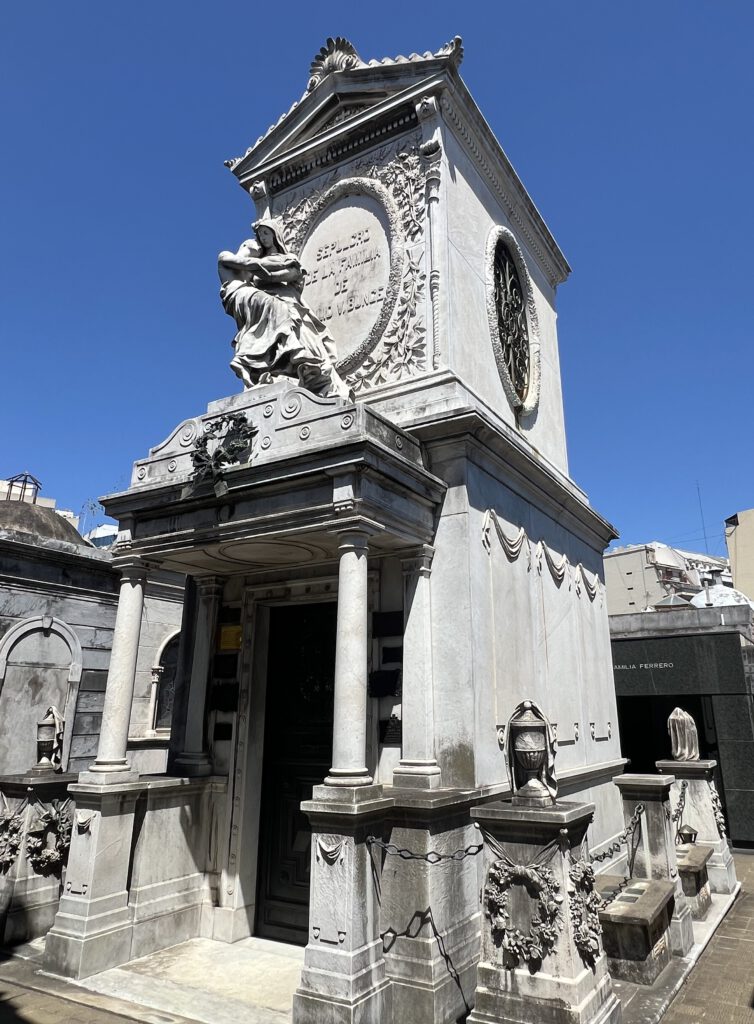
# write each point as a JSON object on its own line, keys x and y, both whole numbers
{"x": 385, "y": 554}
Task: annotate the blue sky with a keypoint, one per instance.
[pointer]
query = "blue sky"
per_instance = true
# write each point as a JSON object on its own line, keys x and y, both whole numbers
{"x": 630, "y": 124}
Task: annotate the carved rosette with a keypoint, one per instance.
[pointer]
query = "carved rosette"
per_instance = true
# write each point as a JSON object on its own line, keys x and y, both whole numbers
{"x": 524, "y": 402}
{"x": 584, "y": 905}
{"x": 540, "y": 882}
{"x": 394, "y": 176}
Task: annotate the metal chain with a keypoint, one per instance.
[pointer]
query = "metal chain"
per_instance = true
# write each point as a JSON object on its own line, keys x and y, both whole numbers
{"x": 678, "y": 812}
{"x": 431, "y": 856}
{"x": 622, "y": 839}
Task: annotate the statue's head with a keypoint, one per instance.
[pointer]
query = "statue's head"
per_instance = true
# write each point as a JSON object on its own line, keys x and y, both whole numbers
{"x": 269, "y": 236}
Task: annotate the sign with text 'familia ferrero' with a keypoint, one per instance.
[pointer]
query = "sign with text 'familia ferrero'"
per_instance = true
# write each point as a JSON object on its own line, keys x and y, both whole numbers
{"x": 347, "y": 263}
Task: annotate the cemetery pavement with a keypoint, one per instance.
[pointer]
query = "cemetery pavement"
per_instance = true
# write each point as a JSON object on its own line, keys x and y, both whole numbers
{"x": 720, "y": 989}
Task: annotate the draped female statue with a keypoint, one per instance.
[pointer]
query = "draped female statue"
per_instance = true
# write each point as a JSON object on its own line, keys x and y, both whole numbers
{"x": 278, "y": 334}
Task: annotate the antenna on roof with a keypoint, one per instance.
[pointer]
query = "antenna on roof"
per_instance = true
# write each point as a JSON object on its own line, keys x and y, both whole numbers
{"x": 701, "y": 513}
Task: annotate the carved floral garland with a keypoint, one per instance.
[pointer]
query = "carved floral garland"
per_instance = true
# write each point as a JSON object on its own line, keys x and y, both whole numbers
{"x": 398, "y": 167}
{"x": 11, "y": 834}
{"x": 584, "y": 904}
{"x": 540, "y": 882}
{"x": 560, "y": 567}
{"x": 717, "y": 808}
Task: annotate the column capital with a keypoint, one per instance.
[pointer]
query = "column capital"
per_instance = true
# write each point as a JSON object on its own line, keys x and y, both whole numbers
{"x": 355, "y": 535}
{"x": 209, "y": 586}
{"x": 419, "y": 562}
{"x": 132, "y": 569}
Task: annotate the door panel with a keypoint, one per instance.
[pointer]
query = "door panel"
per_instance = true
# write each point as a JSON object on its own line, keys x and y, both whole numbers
{"x": 297, "y": 756}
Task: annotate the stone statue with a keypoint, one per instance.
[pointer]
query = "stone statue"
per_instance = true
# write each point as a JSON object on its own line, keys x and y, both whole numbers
{"x": 278, "y": 334}
{"x": 530, "y": 755}
{"x": 684, "y": 740}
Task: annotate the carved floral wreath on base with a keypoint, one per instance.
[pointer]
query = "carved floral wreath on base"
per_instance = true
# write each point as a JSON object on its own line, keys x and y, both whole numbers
{"x": 541, "y": 883}
{"x": 585, "y": 905}
{"x": 53, "y": 823}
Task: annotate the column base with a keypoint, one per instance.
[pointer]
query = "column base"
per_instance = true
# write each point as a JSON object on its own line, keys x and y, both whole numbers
{"x": 109, "y": 773}
{"x": 81, "y": 944}
{"x": 342, "y": 777}
{"x": 194, "y": 765}
{"x": 721, "y": 869}
{"x": 338, "y": 987}
{"x": 417, "y": 775}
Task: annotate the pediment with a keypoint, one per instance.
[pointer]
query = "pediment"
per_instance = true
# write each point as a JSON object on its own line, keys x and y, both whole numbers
{"x": 341, "y": 89}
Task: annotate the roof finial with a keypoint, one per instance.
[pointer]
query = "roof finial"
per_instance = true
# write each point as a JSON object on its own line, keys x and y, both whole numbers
{"x": 337, "y": 54}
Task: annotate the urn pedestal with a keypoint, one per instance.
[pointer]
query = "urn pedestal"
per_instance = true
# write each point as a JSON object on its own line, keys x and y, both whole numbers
{"x": 702, "y": 811}
{"x": 542, "y": 957}
{"x": 653, "y": 854}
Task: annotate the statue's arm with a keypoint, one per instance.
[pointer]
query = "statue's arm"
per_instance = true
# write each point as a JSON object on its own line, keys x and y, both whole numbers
{"x": 238, "y": 260}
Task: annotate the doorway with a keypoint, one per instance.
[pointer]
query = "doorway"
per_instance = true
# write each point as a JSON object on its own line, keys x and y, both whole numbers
{"x": 297, "y": 755}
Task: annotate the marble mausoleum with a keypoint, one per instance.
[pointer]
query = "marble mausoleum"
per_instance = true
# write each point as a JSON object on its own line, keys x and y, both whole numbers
{"x": 385, "y": 554}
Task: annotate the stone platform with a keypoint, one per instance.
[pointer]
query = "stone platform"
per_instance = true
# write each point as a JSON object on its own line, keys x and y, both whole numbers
{"x": 205, "y": 982}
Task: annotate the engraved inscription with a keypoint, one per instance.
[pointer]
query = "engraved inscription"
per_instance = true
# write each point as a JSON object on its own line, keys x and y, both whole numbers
{"x": 347, "y": 258}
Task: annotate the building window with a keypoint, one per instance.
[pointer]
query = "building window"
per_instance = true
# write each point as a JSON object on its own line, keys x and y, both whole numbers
{"x": 163, "y": 677}
{"x": 511, "y": 320}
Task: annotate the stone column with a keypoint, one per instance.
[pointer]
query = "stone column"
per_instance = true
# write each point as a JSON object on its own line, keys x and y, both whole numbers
{"x": 350, "y": 699}
{"x": 534, "y": 875}
{"x": 194, "y": 759}
{"x": 418, "y": 767}
{"x": 702, "y": 810}
{"x": 652, "y": 854}
{"x": 111, "y": 764}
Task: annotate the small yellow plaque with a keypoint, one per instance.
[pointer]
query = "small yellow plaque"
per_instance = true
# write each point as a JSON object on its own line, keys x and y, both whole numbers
{"x": 230, "y": 638}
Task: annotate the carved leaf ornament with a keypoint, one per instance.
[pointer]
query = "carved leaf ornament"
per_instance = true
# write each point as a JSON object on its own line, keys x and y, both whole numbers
{"x": 11, "y": 834}
{"x": 49, "y": 839}
{"x": 584, "y": 904}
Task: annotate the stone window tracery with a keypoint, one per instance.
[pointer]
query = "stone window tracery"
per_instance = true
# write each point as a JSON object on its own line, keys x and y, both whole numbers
{"x": 511, "y": 320}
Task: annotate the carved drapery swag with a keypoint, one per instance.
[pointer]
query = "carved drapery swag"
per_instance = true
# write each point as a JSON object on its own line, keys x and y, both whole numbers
{"x": 400, "y": 350}
{"x": 538, "y": 554}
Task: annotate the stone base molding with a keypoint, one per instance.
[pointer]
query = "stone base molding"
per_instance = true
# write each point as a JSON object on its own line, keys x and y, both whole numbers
{"x": 702, "y": 811}
{"x": 535, "y": 963}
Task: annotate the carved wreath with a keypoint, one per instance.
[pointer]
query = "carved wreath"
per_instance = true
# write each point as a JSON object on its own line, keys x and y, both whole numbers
{"x": 238, "y": 436}
{"x": 584, "y": 904}
{"x": 48, "y": 842}
{"x": 539, "y": 882}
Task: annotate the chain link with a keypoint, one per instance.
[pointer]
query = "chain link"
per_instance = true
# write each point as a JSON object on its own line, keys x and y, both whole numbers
{"x": 678, "y": 812}
{"x": 431, "y": 856}
{"x": 623, "y": 838}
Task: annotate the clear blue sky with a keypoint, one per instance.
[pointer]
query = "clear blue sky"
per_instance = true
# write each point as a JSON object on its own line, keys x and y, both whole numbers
{"x": 630, "y": 124}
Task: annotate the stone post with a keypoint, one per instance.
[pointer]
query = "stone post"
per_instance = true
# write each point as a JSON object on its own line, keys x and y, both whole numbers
{"x": 194, "y": 759}
{"x": 344, "y": 979}
{"x": 111, "y": 764}
{"x": 702, "y": 811}
{"x": 350, "y": 697}
{"x": 418, "y": 768}
{"x": 542, "y": 957}
{"x": 92, "y": 929}
{"x": 652, "y": 852}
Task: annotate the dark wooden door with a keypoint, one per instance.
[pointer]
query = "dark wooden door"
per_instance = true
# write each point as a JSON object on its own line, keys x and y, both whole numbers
{"x": 297, "y": 756}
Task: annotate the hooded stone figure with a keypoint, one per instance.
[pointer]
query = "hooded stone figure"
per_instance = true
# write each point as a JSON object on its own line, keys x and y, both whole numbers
{"x": 684, "y": 739}
{"x": 530, "y": 754}
{"x": 278, "y": 334}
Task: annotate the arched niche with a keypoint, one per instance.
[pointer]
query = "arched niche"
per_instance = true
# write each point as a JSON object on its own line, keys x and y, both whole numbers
{"x": 40, "y": 665}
